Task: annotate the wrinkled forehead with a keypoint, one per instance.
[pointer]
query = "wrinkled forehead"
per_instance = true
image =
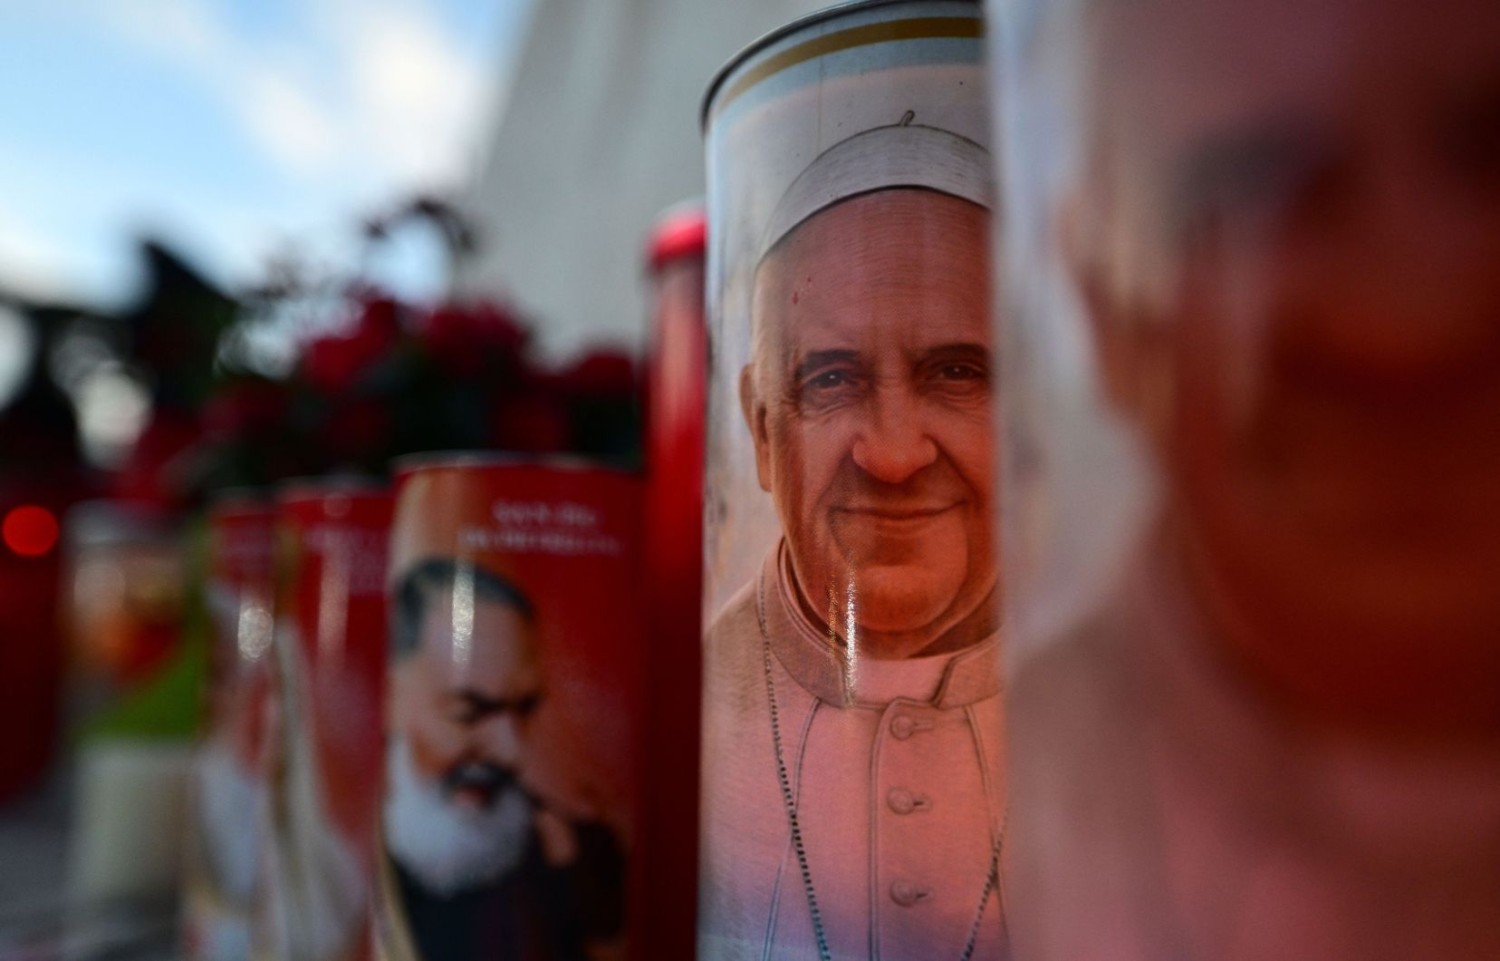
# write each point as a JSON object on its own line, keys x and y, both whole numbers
{"x": 1167, "y": 70}
{"x": 1184, "y": 105}
{"x": 845, "y": 252}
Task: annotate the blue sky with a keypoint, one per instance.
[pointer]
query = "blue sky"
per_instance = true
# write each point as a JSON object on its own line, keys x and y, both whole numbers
{"x": 233, "y": 129}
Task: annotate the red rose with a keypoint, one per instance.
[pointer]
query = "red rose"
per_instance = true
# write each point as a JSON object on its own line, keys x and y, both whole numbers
{"x": 600, "y": 374}
{"x": 379, "y": 325}
{"x": 534, "y": 424}
{"x": 468, "y": 340}
{"x": 356, "y": 431}
{"x": 499, "y": 328}
{"x": 330, "y": 364}
{"x": 337, "y": 362}
{"x": 448, "y": 338}
{"x": 155, "y": 471}
{"x": 246, "y": 408}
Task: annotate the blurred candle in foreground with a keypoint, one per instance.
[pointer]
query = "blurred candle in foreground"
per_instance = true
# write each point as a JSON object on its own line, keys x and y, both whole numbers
{"x": 326, "y": 763}
{"x": 134, "y": 689}
{"x": 32, "y": 658}
{"x": 676, "y": 399}
{"x": 513, "y": 774}
{"x": 1253, "y": 376}
{"x": 228, "y": 782}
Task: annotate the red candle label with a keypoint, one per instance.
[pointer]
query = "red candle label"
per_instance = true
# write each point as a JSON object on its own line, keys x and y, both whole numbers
{"x": 228, "y": 786}
{"x": 330, "y": 649}
{"x": 515, "y": 660}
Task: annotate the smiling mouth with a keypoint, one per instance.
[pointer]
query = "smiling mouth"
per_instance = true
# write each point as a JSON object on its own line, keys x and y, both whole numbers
{"x": 897, "y": 513}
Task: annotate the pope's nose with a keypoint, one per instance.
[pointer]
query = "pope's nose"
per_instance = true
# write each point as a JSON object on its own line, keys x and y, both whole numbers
{"x": 893, "y": 442}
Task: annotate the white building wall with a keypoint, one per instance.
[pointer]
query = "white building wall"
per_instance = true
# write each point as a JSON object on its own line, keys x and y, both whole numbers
{"x": 600, "y": 134}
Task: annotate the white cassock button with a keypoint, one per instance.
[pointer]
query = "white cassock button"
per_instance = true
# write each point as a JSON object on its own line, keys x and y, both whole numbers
{"x": 908, "y": 893}
{"x": 901, "y": 800}
{"x": 902, "y": 727}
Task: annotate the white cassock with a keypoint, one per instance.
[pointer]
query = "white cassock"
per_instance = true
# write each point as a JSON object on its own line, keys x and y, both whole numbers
{"x": 1163, "y": 809}
{"x": 897, "y": 768}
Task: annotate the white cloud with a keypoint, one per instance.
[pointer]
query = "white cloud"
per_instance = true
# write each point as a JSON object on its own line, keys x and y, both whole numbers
{"x": 354, "y": 103}
{"x": 381, "y": 89}
{"x": 291, "y": 126}
{"x": 184, "y": 31}
{"x": 38, "y": 265}
{"x": 416, "y": 97}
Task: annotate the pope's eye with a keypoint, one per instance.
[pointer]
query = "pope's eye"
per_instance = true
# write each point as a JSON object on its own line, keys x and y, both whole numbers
{"x": 829, "y": 380}
{"x": 830, "y": 383}
{"x": 961, "y": 372}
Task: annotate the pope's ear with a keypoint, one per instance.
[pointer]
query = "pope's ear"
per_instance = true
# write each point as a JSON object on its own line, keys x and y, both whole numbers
{"x": 754, "y": 410}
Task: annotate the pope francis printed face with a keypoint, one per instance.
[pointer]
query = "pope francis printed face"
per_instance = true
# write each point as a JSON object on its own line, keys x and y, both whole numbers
{"x": 853, "y": 685}
{"x": 868, "y": 398}
{"x": 1283, "y": 220}
{"x": 1294, "y": 266}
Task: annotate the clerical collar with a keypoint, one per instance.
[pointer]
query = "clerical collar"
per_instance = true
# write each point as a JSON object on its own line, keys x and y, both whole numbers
{"x": 1274, "y": 767}
{"x": 817, "y": 662}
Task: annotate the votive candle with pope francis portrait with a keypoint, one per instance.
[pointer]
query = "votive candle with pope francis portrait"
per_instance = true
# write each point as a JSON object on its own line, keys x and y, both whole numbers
{"x": 1253, "y": 571}
{"x": 853, "y": 761}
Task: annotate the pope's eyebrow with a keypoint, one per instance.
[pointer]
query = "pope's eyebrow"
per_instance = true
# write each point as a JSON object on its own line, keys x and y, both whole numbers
{"x": 1255, "y": 162}
{"x": 958, "y": 353}
{"x": 821, "y": 359}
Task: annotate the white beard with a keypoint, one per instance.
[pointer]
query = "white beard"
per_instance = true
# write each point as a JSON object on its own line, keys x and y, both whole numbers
{"x": 227, "y": 798}
{"x": 446, "y": 847}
